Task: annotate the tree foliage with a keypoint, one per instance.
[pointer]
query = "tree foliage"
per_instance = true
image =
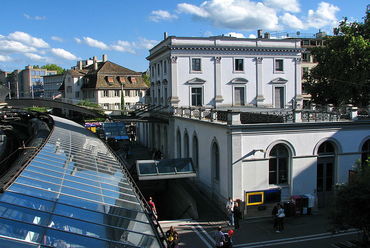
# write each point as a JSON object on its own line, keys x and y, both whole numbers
{"x": 352, "y": 202}
{"x": 53, "y": 67}
{"x": 342, "y": 73}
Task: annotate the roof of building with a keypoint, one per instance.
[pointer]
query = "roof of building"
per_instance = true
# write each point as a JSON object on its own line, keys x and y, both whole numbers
{"x": 74, "y": 192}
{"x": 110, "y": 76}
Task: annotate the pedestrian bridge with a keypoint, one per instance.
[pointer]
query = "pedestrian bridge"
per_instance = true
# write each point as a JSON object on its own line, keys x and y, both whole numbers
{"x": 57, "y": 103}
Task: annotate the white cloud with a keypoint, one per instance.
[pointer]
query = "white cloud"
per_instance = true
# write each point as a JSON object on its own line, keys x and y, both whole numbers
{"x": 291, "y": 21}
{"x": 161, "y": 15}
{"x": 287, "y": 5}
{"x": 28, "y": 39}
{"x": 252, "y": 36}
{"x": 95, "y": 43}
{"x": 63, "y": 54}
{"x": 78, "y": 40}
{"x": 5, "y": 58}
{"x": 236, "y": 35}
{"x": 234, "y": 14}
{"x": 146, "y": 44}
{"x": 123, "y": 46}
{"x": 34, "y": 56}
{"x": 323, "y": 16}
{"x": 37, "y": 18}
{"x": 14, "y": 46}
{"x": 56, "y": 38}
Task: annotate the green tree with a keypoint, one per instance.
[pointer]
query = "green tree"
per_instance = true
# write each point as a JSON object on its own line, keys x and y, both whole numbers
{"x": 146, "y": 79}
{"x": 352, "y": 203}
{"x": 54, "y": 67}
{"x": 342, "y": 73}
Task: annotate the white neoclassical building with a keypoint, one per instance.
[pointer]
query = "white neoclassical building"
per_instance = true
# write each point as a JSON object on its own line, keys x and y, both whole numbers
{"x": 235, "y": 108}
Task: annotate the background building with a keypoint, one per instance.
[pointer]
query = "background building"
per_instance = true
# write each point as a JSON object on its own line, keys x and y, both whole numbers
{"x": 52, "y": 83}
{"x": 32, "y": 82}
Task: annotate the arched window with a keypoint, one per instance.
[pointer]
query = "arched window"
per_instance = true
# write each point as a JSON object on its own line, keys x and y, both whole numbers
{"x": 279, "y": 165}
{"x": 186, "y": 145}
{"x": 215, "y": 161}
{"x": 178, "y": 144}
{"x": 195, "y": 152}
{"x": 365, "y": 152}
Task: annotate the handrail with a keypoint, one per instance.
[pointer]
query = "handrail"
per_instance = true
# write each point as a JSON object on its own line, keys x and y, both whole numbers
{"x": 154, "y": 222}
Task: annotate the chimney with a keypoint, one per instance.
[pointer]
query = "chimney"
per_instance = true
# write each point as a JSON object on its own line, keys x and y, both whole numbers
{"x": 105, "y": 58}
{"x": 267, "y": 35}
{"x": 165, "y": 35}
{"x": 79, "y": 64}
{"x": 95, "y": 63}
{"x": 259, "y": 33}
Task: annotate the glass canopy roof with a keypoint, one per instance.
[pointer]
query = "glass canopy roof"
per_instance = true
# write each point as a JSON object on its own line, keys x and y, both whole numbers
{"x": 165, "y": 169}
{"x": 74, "y": 193}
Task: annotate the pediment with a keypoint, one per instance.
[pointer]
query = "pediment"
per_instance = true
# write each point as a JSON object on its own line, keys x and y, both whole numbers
{"x": 239, "y": 81}
{"x": 196, "y": 81}
{"x": 279, "y": 80}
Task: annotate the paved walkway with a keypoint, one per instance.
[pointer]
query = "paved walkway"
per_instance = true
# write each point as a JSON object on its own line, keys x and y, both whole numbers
{"x": 260, "y": 233}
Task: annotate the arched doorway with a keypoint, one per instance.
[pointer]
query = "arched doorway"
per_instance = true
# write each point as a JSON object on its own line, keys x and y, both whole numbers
{"x": 325, "y": 173}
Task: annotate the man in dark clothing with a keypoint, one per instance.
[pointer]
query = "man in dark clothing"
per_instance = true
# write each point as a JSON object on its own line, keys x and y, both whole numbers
{"x": 219, "y": 237}
{"x": 237, "y": 215}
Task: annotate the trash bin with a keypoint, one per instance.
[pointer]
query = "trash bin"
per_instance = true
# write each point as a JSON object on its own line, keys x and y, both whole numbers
{"x": 289, "y": 208}
{"x": 304, "y": 204}
{"x": 297, "y": 199}
{"x": 311, "y": 203}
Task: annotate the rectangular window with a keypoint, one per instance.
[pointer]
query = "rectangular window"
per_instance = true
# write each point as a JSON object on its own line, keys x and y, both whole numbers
{"x": 77, "y": 94}
{"x": 305, "y": 71}
{"x": 196, "y": 96}
{"x": 117, "y": 106}
{"x": 239, "y": 65}
{"x": 196, "y": 64}
{"x": 116, "y": 92}
{"x": 105, "y": 93}
{"x": 239, "y": 96}
{"x": 279, "y": 97}
{"x": 165, "y": 67}
{"x": 279, "y": 65}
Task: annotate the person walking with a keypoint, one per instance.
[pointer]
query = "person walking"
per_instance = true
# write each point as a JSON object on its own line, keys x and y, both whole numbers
{"x": 237, "y": 215}
{"x": 219, "y": 237}
{"x": 230, "y": 211}
{"x": 152, "y": 207}
{"x": 280, "y": 218}
{"x": 172, "y": 237}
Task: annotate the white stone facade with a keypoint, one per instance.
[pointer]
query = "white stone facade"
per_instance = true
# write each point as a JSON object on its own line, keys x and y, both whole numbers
{"x": 255, "y": 81}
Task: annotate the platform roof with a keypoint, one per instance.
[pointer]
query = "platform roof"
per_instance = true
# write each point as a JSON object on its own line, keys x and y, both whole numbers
{"x": 74, "y": 193}
{"x": 165, "y": 169}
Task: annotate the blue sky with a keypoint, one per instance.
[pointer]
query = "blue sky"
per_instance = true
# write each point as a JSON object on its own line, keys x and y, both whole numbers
{"x": 62, "y": 31}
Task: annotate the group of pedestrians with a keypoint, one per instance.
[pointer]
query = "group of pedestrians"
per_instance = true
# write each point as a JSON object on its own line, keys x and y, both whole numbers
{"x": 223, "y": 240}
{"x": 233, "y": 212}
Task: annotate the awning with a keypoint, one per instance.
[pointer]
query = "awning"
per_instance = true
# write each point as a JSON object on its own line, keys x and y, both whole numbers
{"x": 165, "y": 169}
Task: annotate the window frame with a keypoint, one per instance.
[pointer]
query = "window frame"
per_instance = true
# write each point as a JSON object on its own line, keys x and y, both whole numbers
{"x": 275, "y": 65}
{"x": 235, "y": 65}
{"x": 191, "y": 65}
{"x": 191, "y": 95}
{"x": 277, "y": 159}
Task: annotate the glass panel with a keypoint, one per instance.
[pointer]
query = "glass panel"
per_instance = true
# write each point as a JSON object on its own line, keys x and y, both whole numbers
{"x": 147, "y": 168}
{"x": 26, "y": 201}
{"x": 82, "y": 203}
{"x": 45, "y": 194}
{"x": 62, "y": 239}
{"x": 82, "y": 194}
{"x": 36, "y": 183}
{"x": 23, "y": 214}
{"x": 320, "y": 177}
{"x": 82, "y": 180}
{"x": 38, "y": 176}
{"x": 329, "y": 177}
{"x": 85, "y": 187}
{"x": 283, "y": 170}
{"x": 114, "y": 194}
{"x": 118, "y": 211}
{"x": 44, "y": 171}
{"x": 23, "y": 231}
{"x": 122, "y": 203}
{"x": 272, "y": 171}
{"x": 8, "y": 243}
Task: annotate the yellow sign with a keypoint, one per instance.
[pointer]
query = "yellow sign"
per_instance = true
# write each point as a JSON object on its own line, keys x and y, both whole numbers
{"x": 254, "y": 198}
